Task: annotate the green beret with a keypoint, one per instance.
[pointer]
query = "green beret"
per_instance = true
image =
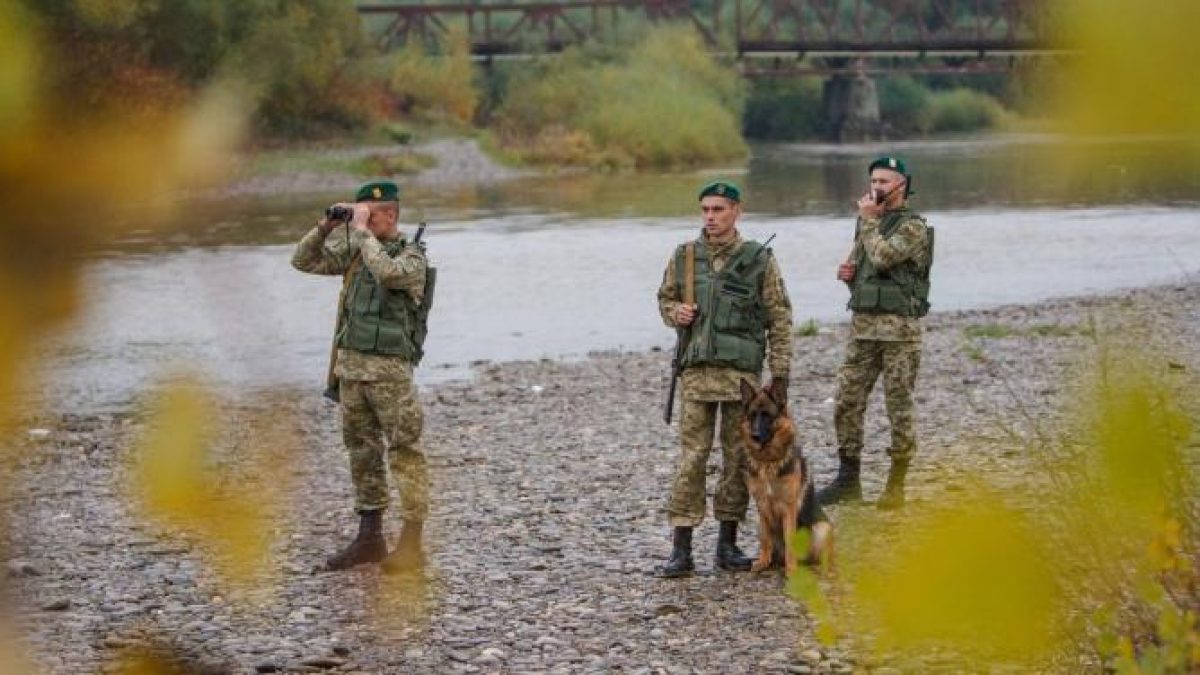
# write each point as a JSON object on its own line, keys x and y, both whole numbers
{"x": 378, "y": 191}
{"x": 894, "y": 163}
{"x": 722, "y": 188}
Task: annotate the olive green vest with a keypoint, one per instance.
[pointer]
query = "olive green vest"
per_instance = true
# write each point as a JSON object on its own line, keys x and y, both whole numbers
{"x": 380, "y": 320}
{"x": 732, "y": 324}
{"x": 902, "y": 290}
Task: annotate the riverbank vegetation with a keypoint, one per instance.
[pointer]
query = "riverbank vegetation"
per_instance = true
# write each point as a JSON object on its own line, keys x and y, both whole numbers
{"x": 664, "y": 102}
{"x": 309, "y": 71}
{"x": 792, "y": 109}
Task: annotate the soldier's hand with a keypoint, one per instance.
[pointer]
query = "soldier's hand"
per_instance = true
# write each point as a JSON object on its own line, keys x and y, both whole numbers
{"x": 362, "y": 213}
{"x": 846, "y": 271}
{"x": 867, "y": 208}
{"x": 685, "y": 314}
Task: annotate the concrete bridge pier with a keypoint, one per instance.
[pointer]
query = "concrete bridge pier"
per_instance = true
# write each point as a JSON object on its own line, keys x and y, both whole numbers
{"x": 851, "y": 105}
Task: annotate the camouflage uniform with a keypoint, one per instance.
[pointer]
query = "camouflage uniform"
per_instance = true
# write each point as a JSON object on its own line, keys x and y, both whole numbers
{"x": 712, "y": 391}
{"x": 882, "y": 343}
{"x": 380, "y": 410}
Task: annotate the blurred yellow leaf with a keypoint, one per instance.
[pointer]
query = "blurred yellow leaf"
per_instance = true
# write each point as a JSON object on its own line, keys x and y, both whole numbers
{"x": 1133, "y": 73}
{"x": 180, "y": 483}
{"x": 17, "y": 69}
{"x": 976, "y": 578}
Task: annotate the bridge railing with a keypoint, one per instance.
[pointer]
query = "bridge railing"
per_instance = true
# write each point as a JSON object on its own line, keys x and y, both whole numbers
{"x": 880, "y": 26}
{"x": 511, "y": 28}
{"x": 862, "y": 28}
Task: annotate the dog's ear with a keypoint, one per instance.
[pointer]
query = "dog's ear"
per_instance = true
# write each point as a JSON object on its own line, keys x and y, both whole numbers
{"x": 749, "y": 391}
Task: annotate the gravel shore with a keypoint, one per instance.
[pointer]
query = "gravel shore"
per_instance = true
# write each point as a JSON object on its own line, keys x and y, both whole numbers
{"x": 459, "y": 162}
{"x": 549, "y": 483}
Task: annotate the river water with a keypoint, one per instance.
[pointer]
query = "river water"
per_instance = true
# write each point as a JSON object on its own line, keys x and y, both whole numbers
{"x": 561, "y": 267}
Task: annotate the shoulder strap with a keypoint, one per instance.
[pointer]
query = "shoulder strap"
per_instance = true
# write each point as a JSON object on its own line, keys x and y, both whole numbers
{"x": 355, "y": 263}
{"x": 689, "y": 273}
{"x": 747, "y": 252}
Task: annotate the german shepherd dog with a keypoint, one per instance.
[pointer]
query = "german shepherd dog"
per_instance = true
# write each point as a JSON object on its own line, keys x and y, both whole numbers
{"x": 780, "y": 482}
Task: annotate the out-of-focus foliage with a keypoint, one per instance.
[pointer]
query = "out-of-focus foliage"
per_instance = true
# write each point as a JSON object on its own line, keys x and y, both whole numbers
{"x": 68, "y": 168}
{"x": 664, "y": 102}
{"x": 118, "y": 55}
{"x": 1133, "y": 73}
{"x": 228, "y": 505}
{"x": 1106, "y": 563}
{"x": 91, "y": 128}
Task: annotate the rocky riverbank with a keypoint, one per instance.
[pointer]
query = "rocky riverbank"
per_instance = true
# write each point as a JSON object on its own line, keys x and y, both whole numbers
{"x": 456, "y": 162}
{"x": 547, "y": 516}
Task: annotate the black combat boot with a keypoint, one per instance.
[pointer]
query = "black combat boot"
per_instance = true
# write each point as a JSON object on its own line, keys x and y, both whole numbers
{"x": 408, "y": 554}
{"x": 893, "y": 492}
{"x": 846, "y": 486}
{"x": 367, "y": 547}
{"x": 680, "y": 564}
{"x": 729, "y": 556}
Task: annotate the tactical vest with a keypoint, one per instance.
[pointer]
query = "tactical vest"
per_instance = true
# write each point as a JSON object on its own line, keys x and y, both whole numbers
{"x": 731, "y": 327}
{"x": 380, "y": 320}
{"x": 902, "y": 290}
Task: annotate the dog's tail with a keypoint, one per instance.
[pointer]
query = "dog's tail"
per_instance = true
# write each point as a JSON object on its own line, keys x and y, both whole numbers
{"x": 811, "y": 512}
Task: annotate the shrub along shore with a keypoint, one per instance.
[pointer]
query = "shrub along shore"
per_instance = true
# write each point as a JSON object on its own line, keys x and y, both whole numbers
{"x": 660, "y": 100}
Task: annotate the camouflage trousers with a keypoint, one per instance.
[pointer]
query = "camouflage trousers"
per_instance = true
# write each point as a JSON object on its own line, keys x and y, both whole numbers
{"x": 865, "y": 360}
{"x": 697, "y": 422}
{"x": 384, "y": 417}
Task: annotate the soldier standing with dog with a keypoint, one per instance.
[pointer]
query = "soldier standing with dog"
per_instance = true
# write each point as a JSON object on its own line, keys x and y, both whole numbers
{"x": 727, "y": 298}
{"x": 888, "y": 275}
{"x": 379, "y": 339}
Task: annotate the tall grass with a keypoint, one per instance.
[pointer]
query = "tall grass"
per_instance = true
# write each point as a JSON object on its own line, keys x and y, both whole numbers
{"x": 666, "y": 102}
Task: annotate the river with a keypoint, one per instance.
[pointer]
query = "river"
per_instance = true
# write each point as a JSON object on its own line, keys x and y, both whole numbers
{"x": 559, "y": 267}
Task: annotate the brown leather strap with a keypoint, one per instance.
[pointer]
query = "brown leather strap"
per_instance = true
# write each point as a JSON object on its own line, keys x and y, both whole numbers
{"x": 689, "y": 273}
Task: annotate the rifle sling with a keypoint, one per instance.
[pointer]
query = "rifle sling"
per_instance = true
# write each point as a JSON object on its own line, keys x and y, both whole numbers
{"x": 689, "y": 273}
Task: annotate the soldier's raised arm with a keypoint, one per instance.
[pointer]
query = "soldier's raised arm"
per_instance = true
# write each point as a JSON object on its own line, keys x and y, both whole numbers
{"x": 906, "y": 243}
{"x": 405, "y": 272}
{"x": 312, "y": 256}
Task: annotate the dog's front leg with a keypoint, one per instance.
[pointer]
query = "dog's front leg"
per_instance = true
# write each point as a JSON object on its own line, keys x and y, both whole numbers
{"x": 791, "y": 515}
{"x": 766, "y": 542}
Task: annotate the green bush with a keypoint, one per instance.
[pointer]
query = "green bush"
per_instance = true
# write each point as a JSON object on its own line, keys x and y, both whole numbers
{"x": 961, "y": 110}
{"x": 784, "y": 110}
{"x": 123, "y": 53}
{"x": 438, "y": 86}
{"x": 665, "y": 102}
{"x": 903, "y": 105}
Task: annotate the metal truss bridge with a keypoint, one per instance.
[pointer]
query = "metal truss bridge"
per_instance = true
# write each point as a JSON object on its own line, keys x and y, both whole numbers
{"x": 770, "y": 37}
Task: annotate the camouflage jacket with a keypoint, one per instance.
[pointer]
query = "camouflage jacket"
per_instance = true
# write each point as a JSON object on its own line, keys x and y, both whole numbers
{"x": 908, "y": 242}
{"x": 333, "y": 254}
{"x": 716, "y": 383}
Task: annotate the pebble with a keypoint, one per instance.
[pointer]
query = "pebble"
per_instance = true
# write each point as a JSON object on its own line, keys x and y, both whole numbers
{"x": 21, "y": 568}
{"x": 547, "y": 511}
